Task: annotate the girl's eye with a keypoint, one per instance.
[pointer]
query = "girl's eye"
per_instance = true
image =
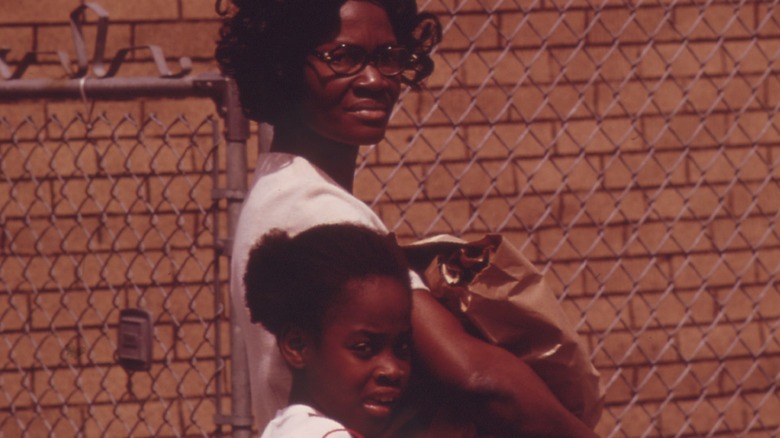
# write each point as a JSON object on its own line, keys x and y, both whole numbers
{"x": 403, "y": 349}
{"x": 363, "y": 349}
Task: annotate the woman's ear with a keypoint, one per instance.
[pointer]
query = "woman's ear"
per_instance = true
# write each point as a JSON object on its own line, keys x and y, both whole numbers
{"x": 294, "y": 344}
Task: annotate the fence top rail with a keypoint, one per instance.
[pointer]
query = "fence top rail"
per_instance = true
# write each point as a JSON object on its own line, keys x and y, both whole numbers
{"x": 211, "y": 85}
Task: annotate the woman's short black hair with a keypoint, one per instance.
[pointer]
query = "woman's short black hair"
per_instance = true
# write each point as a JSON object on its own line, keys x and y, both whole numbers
{"x": 294, "y": 281}
{"x": 264, "y": 43}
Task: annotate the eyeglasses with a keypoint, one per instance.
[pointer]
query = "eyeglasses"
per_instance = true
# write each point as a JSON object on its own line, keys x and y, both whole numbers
{"x": 347, "y": 59}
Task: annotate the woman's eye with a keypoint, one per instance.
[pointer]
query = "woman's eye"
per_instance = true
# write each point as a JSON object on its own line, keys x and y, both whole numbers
{"x": 396, "y": 56}
{"x": 337, "y": 58}
{"x": 348, "y": 55}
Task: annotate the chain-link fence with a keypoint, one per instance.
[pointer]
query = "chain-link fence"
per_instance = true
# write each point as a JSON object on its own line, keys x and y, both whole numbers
{"x": 629, "y": 148}
{"x": 99, "y": 213}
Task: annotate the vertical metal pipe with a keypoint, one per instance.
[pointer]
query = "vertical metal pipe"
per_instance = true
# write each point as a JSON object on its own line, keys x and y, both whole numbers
{"x": 236, "y": 134}
{"x": 219, "y": 310}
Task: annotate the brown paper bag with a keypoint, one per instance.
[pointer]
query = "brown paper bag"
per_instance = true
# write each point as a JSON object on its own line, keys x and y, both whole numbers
{"x": 500, "y": 296}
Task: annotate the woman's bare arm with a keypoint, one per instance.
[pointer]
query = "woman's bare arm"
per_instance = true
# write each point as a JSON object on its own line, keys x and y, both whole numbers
{"x": 514, "y": 399}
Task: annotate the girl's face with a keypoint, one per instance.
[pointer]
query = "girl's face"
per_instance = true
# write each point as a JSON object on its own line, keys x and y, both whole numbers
{"x": 351, "y": 109}
{"x": 358, "y": 371}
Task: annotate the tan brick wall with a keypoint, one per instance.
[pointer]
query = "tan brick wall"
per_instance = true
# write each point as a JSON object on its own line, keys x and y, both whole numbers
{"x": 631, "y": 151}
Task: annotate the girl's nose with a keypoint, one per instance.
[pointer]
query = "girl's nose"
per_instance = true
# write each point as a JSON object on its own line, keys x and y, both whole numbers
{"x": 391, "y": 371}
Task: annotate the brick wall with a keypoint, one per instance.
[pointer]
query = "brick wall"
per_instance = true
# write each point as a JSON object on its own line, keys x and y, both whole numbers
{"x": 631, "y": 151}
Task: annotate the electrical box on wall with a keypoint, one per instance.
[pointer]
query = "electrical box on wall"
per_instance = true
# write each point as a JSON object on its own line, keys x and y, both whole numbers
{"x": 134, "y": 339}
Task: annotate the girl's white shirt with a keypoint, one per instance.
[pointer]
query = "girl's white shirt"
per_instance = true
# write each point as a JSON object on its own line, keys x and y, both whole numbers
{"x": 301, "y": 421}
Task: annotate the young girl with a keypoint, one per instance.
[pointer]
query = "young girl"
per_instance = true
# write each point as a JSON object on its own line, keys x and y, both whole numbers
{"x": 338, "y": 300}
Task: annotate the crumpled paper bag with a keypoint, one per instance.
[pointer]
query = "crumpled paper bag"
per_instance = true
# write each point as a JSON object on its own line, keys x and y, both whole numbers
{"x": 500, "y": 296}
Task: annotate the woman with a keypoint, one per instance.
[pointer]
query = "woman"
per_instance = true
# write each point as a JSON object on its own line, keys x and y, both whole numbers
{"x": 326, "y": 74}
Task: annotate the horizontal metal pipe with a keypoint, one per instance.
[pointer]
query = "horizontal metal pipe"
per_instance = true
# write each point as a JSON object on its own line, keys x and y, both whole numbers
{"x": 115, "y": 88}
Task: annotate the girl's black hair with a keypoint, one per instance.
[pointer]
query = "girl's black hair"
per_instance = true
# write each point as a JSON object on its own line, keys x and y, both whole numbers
{"x": 263, "y": 45}
{"x": 294, "y": 280}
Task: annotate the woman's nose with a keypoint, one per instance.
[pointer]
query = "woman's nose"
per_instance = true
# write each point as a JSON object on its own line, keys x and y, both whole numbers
{"x": 371, "y": 78}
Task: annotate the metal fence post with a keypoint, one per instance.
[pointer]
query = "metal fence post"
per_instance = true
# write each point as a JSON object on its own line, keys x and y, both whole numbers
{"x": 236, "y": 134}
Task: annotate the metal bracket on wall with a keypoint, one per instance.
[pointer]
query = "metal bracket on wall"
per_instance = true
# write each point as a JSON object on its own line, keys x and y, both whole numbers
{"x": 81, "y": 68}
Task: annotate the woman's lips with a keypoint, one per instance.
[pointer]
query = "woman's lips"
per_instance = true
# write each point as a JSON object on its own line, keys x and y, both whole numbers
{"x": 371, "y": 113}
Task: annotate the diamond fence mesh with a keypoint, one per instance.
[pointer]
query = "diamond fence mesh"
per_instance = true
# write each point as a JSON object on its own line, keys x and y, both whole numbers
{"x": 629, "y": 148}
{"x": 100, "y": 213}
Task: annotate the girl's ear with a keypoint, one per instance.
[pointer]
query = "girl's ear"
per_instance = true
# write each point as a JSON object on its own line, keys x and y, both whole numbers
{"x": 294, "y": 344}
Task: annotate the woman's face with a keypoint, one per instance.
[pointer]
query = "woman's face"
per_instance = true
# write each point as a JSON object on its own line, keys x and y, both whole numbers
{"x": 360, "y": 367}
{"x": 352, "y": 109}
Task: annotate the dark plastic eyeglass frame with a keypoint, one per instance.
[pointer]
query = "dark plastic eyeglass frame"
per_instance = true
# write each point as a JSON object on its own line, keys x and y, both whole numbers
{"x": 372, "y": 57}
